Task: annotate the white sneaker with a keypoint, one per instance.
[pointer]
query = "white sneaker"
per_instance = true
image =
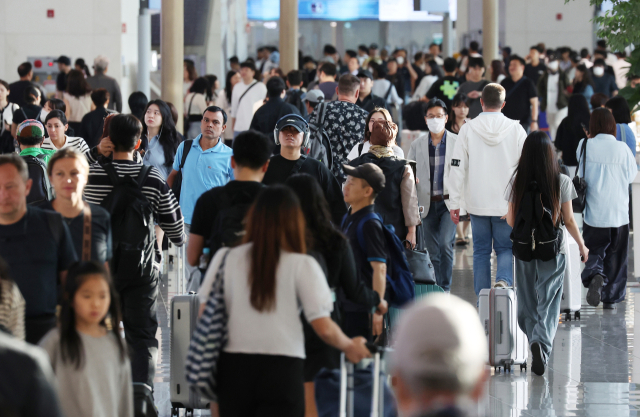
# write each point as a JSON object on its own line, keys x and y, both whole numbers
{"x": 501, "y": 284}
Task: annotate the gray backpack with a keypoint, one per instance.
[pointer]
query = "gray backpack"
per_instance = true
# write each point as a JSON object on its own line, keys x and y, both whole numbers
{"x": 319, "y": 144}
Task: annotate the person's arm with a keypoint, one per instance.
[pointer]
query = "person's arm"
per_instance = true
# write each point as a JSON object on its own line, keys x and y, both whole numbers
{"x": 67, "y": 110}
{"x": 194, "y": 249}
{"x": 234, "y": 106}
{"x": 379, "y": 282}
{"x": 534, "y": 113}
{"x": 458, "y": 174}
{"x": 14, "y": 130}
{"x": 166, "y": 210}
{"x": 172, "y": 177}
{"x": 354, "y": 349}
{"x": 117, "y": 96}
{"x": 572, "y": 228}
{"x": 511, "y": 217}
{"x": 353, "y": 287}
{"x": 409, "y": 197}
{"x": 395, "y": 98}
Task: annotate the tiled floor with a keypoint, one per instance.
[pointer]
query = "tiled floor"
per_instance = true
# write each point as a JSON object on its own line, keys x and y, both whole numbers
{"x": 593, "y": 369}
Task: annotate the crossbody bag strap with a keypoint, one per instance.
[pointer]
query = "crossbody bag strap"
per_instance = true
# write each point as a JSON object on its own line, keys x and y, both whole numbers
{"x": 246, "y": 91}
{"x": 86, "y": 233}
{"x": 298, "y": 165}
{"x": 515, "y": 87}
{"x": 190, "y": 103}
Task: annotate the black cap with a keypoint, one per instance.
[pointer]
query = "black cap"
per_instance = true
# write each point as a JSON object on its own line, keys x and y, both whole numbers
{"x": 63, "y": 59}
{"x": 365, "y": 73}
{"x": 369, "y": 172}
{"x": 292, "y": 120}
{"x": 373, "y": 46}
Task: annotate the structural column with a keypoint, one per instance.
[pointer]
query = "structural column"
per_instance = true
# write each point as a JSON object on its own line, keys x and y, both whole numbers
{"x": 288, "y": 35}
{"x": 447, "y": 33}
{"x": 490, "y": 30}
{"x": 172, "y": 50}
{"x": 144, "y": 49}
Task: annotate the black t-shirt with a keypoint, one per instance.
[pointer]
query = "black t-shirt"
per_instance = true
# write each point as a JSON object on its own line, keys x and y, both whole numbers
{"x": 206, "y": 210}
{"x": 280, "y": 169}
{"x": 534, "y": 73}
{"x": 61, "y": 82}
{"x": 101, "y": 244}
{"x": 444, "y": 89}
{"x": 30, "y": 110}
{"x": 375, "y": 248}
{"x": 16, "y": 92}
{"x": 518, "y": 104}
{"x": 35, "y": 258}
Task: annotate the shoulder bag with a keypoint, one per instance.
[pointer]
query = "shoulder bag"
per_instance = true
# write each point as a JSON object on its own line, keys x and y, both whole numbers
{"x": 177, "y": 182}
{"x": 580, "y": 202}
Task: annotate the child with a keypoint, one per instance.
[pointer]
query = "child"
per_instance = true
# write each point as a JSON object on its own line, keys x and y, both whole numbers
{"x": 540, "y": 282}
{"x": 87, "y": 356}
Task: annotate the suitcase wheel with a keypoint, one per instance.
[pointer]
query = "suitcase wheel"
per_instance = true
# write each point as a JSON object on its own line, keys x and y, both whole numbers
{"x": 523, "y": 367}
{"x": 567, "y": 316}
{"x": 175, "y": 412}
{"x": 577, "y": 315}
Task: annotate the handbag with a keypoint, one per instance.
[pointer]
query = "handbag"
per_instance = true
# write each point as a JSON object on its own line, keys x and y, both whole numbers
{"x": 209, "y": 337}
{"x": 579, "y": 203}
{"x": 420, "y": 261}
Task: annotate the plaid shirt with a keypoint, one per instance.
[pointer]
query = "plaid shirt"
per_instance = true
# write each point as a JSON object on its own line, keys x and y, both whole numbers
{"x": 436, "y": 165}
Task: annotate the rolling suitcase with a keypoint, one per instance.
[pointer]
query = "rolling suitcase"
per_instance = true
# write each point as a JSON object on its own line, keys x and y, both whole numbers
{"x": 572, "y": 286}
{"x": 508, "y": 345}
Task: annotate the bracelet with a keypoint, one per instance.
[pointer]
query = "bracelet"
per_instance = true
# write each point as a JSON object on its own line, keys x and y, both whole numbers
{"x": 534, "y": 121}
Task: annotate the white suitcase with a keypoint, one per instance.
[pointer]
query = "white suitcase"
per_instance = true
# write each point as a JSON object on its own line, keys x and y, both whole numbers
{"x": 572, "y": 287}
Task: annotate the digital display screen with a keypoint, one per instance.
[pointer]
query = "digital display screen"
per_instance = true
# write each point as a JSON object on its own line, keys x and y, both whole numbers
{"x": 337, "y": 10}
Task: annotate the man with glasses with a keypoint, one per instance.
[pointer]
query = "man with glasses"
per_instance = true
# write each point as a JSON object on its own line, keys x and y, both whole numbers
{"x": 433, "y": 152}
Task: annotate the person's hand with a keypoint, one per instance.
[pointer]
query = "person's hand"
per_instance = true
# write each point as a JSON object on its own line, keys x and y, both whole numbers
{"x": 105, "y": 147}
{"x": 377, "y": 324}
{"x": 411, "y": 238}
{"x": 417, "y": 180}
{"x": 534, "y": 126}
{"x": 383, "y": 132}
{"x": 357, "y": 350}
{"x": 383, "y": 307}
{"x": 455, "y": 216}
{"x": 474, "y": 94}
{"x": 584, "y": 253}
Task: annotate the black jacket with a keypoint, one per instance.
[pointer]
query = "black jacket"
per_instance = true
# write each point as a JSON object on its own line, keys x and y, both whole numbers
{"x": 265, "y": 118}
{"x": 370, "y": 102}
{"x": 91, "y": 126}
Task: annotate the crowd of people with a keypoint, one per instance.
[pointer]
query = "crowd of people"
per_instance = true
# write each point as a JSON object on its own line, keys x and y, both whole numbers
{"x": 294, "y": 188}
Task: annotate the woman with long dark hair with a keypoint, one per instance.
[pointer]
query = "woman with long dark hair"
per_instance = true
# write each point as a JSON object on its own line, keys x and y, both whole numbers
{"x": 497, "y": 71}
{"x": 224, "y": 98}
{"x": 458, "y": 115}
{"x": 160, "y": 130}
{"x": 214, "y": 85}
{"x": 266, "y": 280}
{"x": 327, "y": 242}
{"x": 540, "y": 282}
{"x": 619, "y": 107}
{"x": 572, "y": 129}
{"x": 583, "y": 82}
{"x": 77, "y": 98}
{"x": 609, "y": 169}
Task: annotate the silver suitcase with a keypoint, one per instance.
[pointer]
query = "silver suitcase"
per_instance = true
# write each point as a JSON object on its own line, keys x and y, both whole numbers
{"x": 508, "y": 345}
{"x": 572, "y": 286}
{"x": 347, "y": 385}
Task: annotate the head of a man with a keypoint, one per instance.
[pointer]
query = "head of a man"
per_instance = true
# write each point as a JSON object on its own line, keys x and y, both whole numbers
{"x": 124, "y": 132}
{"x": 434, "y": 49}
{"x": 247, "y": 71}
{"x": 294, "y": 79}
{"x": 476, "y": 68}
{"x": 348, "y": 88}
{"x": 276, "y": 87}
{"x": 101, "y": 64}
{"x": 328, "y": 72}
{"x": 251, "y": 151}
{"x": 435, "y": 373}
{"x": 516, "y": 67}
{"x": 363, "y": 50}
{"x": 14, "y": 188}
{"x": 363, "y": 184}
{"x": 554, "y": 64}
{"x": 353, "y": 64}
{"x": 534, "y": 54}
{"x": 64, "y": 64}
{"x": 392, "y": 66}
{"x": 598, "y": 67}
{"x": 493, "y": 97}
{"x": 450, "y": 65}
{"x": 366, "y": 82}
{"x": 312, "y": 98}
{"x": 30, "y": 134}
{"x": 506, "y": 52}
{"x": 291, "y": 130}
{"x": 25, "y": 71}
{"x": 474, "y": 47}
{"x": 214, "y": 123}
{"x": 436, "y": 115}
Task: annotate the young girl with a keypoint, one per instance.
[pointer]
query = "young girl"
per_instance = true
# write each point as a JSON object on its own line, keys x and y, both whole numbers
{"x": 87, "y": 355}
{"x": 539, "y": 282}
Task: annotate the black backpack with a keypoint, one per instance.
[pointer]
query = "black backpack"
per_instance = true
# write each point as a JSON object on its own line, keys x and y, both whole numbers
{"x": 41, "y": 189}
{"x": 534, "y": 234}
{"x": 131, "y": 223}
{"x": 228, "y": 226}
{"x": 319, "y": 143}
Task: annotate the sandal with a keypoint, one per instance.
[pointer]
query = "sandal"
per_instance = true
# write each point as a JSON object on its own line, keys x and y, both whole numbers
{"x": 462, "y": 242}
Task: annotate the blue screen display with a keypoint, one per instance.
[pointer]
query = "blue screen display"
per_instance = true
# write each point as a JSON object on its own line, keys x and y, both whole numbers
{"x": 316, "y": 9}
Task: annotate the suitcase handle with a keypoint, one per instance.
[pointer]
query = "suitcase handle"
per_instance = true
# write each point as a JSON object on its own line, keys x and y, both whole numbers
{"x": 511, "y": 334}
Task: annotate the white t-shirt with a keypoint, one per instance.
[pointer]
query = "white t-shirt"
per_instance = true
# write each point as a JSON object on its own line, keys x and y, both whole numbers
{"x": 242, "y": 110}
{"x": 76, "y": 143}
{"x": 299, "y": 282}
{"x": 552, "y": 92}
{"x": 397, "y": 151}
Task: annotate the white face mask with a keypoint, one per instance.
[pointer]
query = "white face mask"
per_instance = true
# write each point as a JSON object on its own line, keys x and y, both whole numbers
{"x": 553, "y": 66}
{"x": 598, "y": 71}
{"x": 400, "y": 60}
{"x": 43, "y": 115}
{"x": 436, "y": 125}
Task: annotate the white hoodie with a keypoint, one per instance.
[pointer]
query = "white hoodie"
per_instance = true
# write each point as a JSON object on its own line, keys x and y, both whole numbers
{"x": 485, "y": 157}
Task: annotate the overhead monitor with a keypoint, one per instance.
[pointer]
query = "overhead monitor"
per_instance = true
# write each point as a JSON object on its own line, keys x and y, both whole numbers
{"x": 335, "y": 10}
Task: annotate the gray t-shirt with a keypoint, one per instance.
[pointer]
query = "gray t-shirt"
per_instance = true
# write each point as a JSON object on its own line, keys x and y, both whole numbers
{"x": 475, "y": 108}
{"x": 102, "y": 387}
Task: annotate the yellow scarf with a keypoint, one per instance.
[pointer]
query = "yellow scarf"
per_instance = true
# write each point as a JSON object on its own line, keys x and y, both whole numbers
{"x": 381, "y": 151}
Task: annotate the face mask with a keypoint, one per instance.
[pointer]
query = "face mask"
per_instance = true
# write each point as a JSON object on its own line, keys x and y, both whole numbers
{"x": 400, "y": 60}
{"x": 43, "y": 115}
{"x": 436, "y": 125}
{"x": 598, "y": 71}
{"x": 553, "y": 66}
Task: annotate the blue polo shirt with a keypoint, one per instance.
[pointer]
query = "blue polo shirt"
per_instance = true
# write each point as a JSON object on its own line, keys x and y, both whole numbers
{"x": 202, "y": 171}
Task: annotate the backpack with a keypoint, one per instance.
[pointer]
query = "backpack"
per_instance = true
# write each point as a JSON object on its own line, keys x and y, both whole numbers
{"x": 400, "y": 286}
{"x": 228, "y": 226}
{"x": 319, "y": 143}
{"x": 131, "y": 223}
{"x": 41, "y": 189}
{"x": 534, "y": 234}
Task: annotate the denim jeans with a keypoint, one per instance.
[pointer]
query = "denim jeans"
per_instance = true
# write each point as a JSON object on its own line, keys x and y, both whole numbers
{"x": 539, "y": 286}
{"x": 439, "y": 234}
{"x": 491, "y": 232}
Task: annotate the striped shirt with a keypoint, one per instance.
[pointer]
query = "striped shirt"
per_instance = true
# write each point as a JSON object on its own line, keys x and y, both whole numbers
{"x": 436, "y": 164}
{"x": 76, "y": 143}
{"x": 166, "y": 211}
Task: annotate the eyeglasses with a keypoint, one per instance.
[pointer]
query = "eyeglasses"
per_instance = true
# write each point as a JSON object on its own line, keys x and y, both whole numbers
{"x": 439, "y": 116}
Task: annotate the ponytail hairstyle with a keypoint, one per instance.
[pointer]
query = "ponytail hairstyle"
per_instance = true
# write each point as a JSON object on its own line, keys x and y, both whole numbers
{"x": 70, "y": 342}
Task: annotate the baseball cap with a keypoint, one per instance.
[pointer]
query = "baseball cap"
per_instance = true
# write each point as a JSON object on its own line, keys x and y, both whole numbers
{"x": 63, "y": 59}
{"x": 455, "y": 360}
{"x": 30, "y": 128}
{"x": 365, "y": 73}
{"x": 314, "y": 96}
{"x": 369, "y": 172}
{"x": 373, "y": 46}
{"x": 292, "y": 120}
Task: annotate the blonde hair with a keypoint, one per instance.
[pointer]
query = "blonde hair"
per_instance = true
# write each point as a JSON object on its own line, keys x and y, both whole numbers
{"x": 67, "y": 153}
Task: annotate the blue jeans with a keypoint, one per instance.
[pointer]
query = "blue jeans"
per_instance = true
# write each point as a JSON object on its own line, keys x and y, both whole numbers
{"x": 439, "y": 234}
{"x": 491, "y": 232}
